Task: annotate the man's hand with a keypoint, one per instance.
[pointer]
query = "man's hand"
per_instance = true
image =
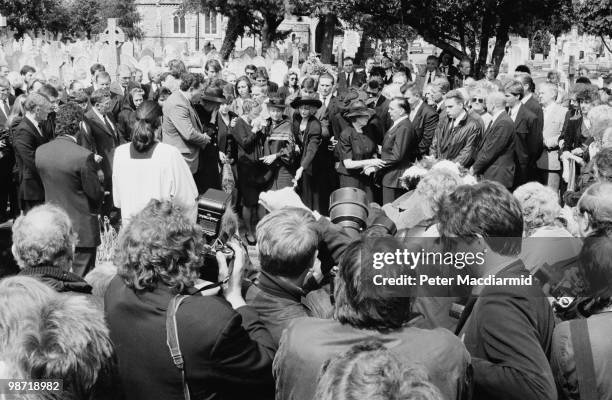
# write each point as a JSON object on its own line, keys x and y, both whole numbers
{"x": 376, "y": 163}
{"x": 233, "y": 122}
{"x": 222, "y": 157}
{"x": 278, "y": 199}
{"x": 369, "y": 170}
{"x": 332, "y": 144}
{"x": 97, "y": 158}
{"x": 232, "y": 290}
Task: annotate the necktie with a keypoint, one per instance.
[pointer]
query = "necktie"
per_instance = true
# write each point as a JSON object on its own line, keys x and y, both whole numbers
{"x": 348, "y": 79}
{"x": 428, "y": 77}
{"x": 5, "y": 108}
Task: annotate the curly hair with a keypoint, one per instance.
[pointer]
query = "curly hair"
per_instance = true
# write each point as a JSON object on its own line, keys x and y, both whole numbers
{"x": 436, "y": 184}
{"x": 44, "y": 237}
{"x": 368, "y": 370}
{"x": 584, "y": 92}
{"x": 540, "y": 205}
{"x": 68, "y": 118}
{"x": 601, "y": 119}
{"x": 159, "y": 246}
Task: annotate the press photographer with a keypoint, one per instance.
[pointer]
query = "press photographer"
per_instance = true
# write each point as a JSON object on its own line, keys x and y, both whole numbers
{"x": 226, "y": 349}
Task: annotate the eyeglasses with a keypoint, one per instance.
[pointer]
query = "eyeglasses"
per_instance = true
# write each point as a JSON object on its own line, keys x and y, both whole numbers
{"x": 478, "y": 100}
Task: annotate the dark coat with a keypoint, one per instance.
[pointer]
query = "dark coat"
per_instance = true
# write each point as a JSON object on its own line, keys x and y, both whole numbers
{"x": 508, "y": 331}
{"x": 494, "y": 157}
{"x": 279, "y": 302}
{"x": 227, "y": 352}
{"x": 529, "y": 143}
{"x": 343, "y": 86}
{"x": 106, "y": 142}
{"x": 382, "y": 111}
{"x": 425, "y": 123}
{"x": 399, "y": 150}
{"x": 69, "y": 175}
{"x": 456, "y": 144}
{"x": 26, "y": 140}
{"x": 308, "y": 141}
{"x": 308, "y": 342}
{"x": 535, "y": 107}
{"x": 126, "y": 119}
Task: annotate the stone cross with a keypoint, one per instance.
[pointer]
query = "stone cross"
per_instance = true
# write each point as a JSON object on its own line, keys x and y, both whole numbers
{"x": 112, "y": 37}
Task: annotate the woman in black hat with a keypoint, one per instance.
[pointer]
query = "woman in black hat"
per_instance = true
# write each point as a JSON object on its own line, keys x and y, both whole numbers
{"x": 307, "y": 133}
{"x": 279, "y": 147}
{"x": 249, "y": 135}
{"x": 356, "y": 149}
{"x": 208, "y": 175}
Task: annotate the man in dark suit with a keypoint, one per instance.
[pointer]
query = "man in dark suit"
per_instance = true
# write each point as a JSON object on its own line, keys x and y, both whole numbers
{"x": 7, "y": 156}
{"x": 529, "y": 143}
{"x": 349, "y": 77}
{"x": 423, "y": 117}
{"x": 93, "y": 70}
{"x": 378, "y": 103}
{"x": 494, "y": 157}
{"x": 465, "y": 72}
{"x": 507, "y": 329}
{"x": 68, "y": 172}
{"x": 399, "y": 150}
{"x": 430, "y": 74}
{"x": 28, "y": 137}
{"x": 106, "y": 137}
{"x": 530, "y": 101}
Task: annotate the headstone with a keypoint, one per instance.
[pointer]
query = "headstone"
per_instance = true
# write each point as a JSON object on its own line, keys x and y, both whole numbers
{"x": 113, "y": 37}
{"x": 236, "y": 65}
{"x": 127, "y": 48}
{"x": 539, "y": 57}
{"x": 515, "y": 57}
{"x": 259, "y": 61}
{"x": 147, "y": 64}
{"x": 130, "y": 61}
{"x": 147, "y": 51}
{"x": 278, "y": 70}
{"x": 250, "y": 51}
{"x": 350, "y": 43}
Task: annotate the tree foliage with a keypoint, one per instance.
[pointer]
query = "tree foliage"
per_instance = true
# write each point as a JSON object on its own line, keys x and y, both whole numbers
{"x": 34, "y": 15}
{"x": 460, "y": 27}
{"x": 594, "y": 17}
{"x": 128, "y": 17}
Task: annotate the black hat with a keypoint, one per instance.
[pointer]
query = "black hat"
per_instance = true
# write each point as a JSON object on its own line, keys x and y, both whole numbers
{"x": 214, "y": 94}
{"x": 358, "y": 109}
{"x": 306, "y": 101}
{"x": 277, "y": 102}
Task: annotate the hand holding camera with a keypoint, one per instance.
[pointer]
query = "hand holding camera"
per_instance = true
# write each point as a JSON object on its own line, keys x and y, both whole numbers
{"x": 230, "y": 271}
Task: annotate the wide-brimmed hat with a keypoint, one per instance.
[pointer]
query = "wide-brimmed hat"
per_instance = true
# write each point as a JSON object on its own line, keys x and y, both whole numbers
{"x": 306, "y": 101}
{"x": 358, "y": 109}
{"x": 213, "y": 94}
{"x": 277, "y": 102}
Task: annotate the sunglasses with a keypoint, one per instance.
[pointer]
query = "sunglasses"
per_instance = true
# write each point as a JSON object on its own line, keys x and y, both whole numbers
{"x": 478, "y": 100}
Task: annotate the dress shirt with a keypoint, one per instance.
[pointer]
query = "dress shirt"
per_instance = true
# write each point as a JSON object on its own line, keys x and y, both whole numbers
{"x": 397, "y": 122}
{"x": 415, "y": 110}
{"x": 514, "y": 110}
{"x": 430, "y": 77}
{"x": 105, "y": 120}
{"x": 495, "y": 115}
{"x": 349, "y": 78}
{"x": 35, "y": 123}
{"x": 526, "y": 98}
{"x": 325, "y": 100}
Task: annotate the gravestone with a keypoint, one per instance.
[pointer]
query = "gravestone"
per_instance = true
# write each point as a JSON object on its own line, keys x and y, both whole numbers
{"x": 147, "y": 51}
{"x": 259, "y": 61}
{"x": 147, "y": 64}
{"x": 278, "y": 71}
{"x": 112, "y": 37}
{"x": 127, "y": 48}
{"x": 539, "y": 57}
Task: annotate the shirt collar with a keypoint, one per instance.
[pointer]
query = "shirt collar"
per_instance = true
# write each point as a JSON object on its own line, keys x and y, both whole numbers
{"x": 398, "y": 121}
{"x": 525, "y": 99}
{"x": 33, "y": 121}
{"x": 95, "y": 110}
{"x": 515, "y": 108}
{"x": 496, "y": 115}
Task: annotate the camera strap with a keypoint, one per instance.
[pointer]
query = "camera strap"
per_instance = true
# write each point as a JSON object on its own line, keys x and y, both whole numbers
{"x": 583, "y": 356}
{"x": 173, "y": 342}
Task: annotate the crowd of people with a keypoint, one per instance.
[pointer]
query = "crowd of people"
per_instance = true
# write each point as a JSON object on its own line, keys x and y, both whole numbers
{"x": 438, "y": 153}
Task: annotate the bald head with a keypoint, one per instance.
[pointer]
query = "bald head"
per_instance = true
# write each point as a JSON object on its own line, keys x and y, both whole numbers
{"x": 496, "y": 101}
{"x": 44, "y": 237}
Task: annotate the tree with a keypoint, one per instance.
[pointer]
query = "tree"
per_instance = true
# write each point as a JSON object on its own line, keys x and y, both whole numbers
{"x": 35, "y": 15}
{"x": 85, "y": 16}
{"x": 127, "y": 16}
{"x": 462, "y": 28}
{"x": 594, "y": 17}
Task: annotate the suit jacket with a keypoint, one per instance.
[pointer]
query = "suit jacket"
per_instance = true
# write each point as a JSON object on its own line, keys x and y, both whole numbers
{"x": 69, "y": 175}
{"x": 4, "y": 116}
{"x": 456, "y": 144}
{"x": 382, "y": 111}
{"x": 425, "y": 122}
{"x": 399, "y": 150}
{"x": 182, "y": 128}
{"x": 554, "y": 119}
{"x": 308, "y": 342}
{"x": 494, "y": 157}
{"x": 342, "y": 85}
{"x": 534, "y": 106}
{"x": 106, "y": 141}
{"x": 421, "y": 79}
{"x": 227, "y": 352}
{"x": 508, "y": 331}
{"x": 529, "y": 144}
{"x": 25, "y": 141}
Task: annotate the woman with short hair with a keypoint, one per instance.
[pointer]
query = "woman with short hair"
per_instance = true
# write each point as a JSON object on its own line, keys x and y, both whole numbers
{"x": 146, "y": 169}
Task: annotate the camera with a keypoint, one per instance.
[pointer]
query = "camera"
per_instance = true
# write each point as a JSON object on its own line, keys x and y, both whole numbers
{"x": 219, "y": 223}
{"x": 349, "y": 208}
